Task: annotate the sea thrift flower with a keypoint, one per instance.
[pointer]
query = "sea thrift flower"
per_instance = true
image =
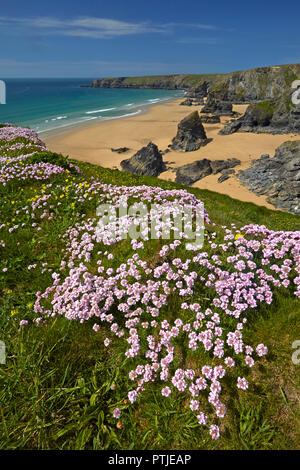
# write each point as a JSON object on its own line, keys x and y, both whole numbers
{"x": 214, "y": 431}
{"x": 202, "y": 419}
{"x": 242, "y": 383}
{"x": 261, "y": 350}
{"x": 117, "y": 413}
{"x": 166, "y": 391}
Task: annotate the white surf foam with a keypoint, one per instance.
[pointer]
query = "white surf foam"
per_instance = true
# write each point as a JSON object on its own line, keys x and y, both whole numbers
{"x": 99, "y": 111}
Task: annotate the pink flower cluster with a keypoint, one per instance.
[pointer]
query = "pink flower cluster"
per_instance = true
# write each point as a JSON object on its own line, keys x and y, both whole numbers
{"x": 10, "y": 132}
{"x": 132, "y": 299}
{"x": 38, "y": 171}
{"x": 180, "y": 301}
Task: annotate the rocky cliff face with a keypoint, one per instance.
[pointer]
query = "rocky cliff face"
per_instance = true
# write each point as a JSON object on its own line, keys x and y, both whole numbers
{"x": 255, "y": 85}
{"x": 217, "y": 107}
{"x": 238, "y": 87}
{"x": 277, "y": 116}
{"x": 198, "y": 84}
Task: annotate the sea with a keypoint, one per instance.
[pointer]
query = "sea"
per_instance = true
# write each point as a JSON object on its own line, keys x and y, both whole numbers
{"x": 47, "y": 105}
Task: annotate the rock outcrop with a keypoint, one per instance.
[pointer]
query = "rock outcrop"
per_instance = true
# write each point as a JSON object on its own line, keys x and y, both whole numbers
{"x": 192, "y": 172}
{"x": 278, "y": 178}
{"x": 218, "y": 166}
{"x": 187, "y": 102}
{"x": 190, "y": 134}
{"x": 200, "y": 91}
{"x": 192, "y": 101}
{"x": 218, "y": 107}
{"x": 120, "y": 150}
{"x": 147, "y": 161}
{"x": 210, "y": 119}
{"x": 225, "y": 175}
{"x": 277, "y": 116}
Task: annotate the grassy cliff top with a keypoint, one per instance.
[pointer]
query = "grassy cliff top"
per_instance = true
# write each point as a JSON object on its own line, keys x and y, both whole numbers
{"x": 290, "y": 71}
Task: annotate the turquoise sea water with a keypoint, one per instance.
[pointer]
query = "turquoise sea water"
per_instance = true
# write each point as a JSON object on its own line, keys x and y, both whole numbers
{"x": 49, "y": 104}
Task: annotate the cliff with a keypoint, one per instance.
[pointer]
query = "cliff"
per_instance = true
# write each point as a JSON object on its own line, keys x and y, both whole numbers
{"x": 238, "y": 87}
{"x": 168, "y": 82}
{"x": 258, "y": 84}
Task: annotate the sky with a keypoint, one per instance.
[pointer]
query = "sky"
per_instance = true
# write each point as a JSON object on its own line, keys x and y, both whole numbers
{"x": 95, "y": 38}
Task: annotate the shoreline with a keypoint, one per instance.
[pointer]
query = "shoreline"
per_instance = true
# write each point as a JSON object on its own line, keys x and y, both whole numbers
{"x": 89, "y": 122}
{"x": 92, "y": 142}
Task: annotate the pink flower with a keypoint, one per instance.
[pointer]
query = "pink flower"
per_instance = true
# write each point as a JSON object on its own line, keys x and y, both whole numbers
{"x": 202, "y": 418}
{"x": 194, "y": 405}
{"x": 242, "y": 383}
{"x": 261, "y": 350}
{"x": 214, "y": 431}
{"x": 117, "y": 413}
{"x": 166, "y": 391}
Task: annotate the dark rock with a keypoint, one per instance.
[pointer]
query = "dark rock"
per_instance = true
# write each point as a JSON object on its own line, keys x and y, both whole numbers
{"x": 210, "y": 119}
{"x": 200, "y": 91}
{"x": 147, "y": 161}
{"x": 192, "y": 172}
{"x": 277, "y": 177}
{"x": 225, "y": 175}
{"x": 198, "y": 102}
{"x": 218, "y": 166}
{"x": 192, "y": 101}
{"x": 187, "y": 102}
{"x": 277, "y": 116}
{"x": 190, "y": 135}
{"x": 218, "y": 107}
{"x": 121, "y": 150}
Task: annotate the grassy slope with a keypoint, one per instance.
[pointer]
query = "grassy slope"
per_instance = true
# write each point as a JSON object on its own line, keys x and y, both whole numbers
{"x": 55, "y": 387}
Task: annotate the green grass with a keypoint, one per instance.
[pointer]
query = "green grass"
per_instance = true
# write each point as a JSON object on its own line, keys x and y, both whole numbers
{"x": 55, "y": 388}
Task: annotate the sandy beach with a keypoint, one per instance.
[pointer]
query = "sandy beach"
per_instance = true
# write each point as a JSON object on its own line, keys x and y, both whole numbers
{"x": 93, "y": 142}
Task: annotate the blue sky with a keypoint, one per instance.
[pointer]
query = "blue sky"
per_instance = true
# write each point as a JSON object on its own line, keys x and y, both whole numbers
{"x": 95, "y": 38}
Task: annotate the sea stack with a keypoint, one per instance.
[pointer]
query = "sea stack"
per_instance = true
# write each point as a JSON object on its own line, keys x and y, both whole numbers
{"x": 190, "y": 134}
{"x": 147, "y": 161}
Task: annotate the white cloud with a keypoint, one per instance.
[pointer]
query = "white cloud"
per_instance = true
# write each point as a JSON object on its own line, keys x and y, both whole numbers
{"x": 93, "y": 27}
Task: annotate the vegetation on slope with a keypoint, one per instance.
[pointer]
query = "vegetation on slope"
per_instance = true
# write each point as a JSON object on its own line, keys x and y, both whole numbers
{"x": 60, "y": 384}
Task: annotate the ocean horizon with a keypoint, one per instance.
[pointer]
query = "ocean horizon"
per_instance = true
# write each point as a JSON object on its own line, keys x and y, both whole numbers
{"x": 47, "y": 105}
